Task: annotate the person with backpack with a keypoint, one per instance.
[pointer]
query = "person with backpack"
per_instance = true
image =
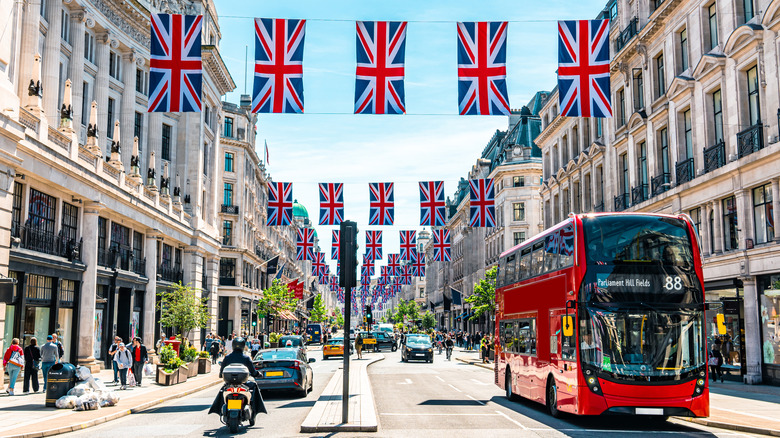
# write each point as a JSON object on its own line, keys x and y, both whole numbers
{"x": 124, "y": 360}
{"x": 13, "y": 362}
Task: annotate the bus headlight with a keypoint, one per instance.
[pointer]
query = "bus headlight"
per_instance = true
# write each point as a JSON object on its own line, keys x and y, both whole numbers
{"x": 700, "y": 385}
{"x": 592, "y": 381}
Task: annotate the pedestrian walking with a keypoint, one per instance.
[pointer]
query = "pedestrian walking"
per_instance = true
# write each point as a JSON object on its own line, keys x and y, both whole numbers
{"x": 229, "y": 344}
{"x": 159, "y": 345}
{"x": 449, "y": 344}
{"x": 50, "y": 355}
{"x": 716, "y": 363}
{"x": 359, "y": 345}
{"x": 112, "y": 349}
{"x": 60, "y": 348}
{"x": 123, "y": 360}
{"x": 214, "y": 350}
{"x": 483, "y": 346}
{"x": 32, "y": 358}
{"x": 140, "y": 358}
{"x": 13, "y": 362}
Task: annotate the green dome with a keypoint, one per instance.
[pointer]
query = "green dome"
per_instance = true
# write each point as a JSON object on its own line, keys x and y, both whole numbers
{"x": 299, "y": 210}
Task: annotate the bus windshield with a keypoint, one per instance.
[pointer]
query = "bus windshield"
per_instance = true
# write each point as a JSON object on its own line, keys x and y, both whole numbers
{"x": 642, "y": 344}
{"x": 635, "y": 239}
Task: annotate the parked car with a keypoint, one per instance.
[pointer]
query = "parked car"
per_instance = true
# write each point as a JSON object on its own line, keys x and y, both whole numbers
{"x": 417, "y": 347}
{"x": 284, "y": 369}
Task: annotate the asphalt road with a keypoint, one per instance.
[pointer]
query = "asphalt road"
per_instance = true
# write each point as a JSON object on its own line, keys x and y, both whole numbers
{"x": 443, "y": 399}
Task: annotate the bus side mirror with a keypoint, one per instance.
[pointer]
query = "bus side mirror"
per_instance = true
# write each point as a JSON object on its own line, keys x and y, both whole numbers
{"x": 568, "y": 325}
{"x": 721, "y": 324}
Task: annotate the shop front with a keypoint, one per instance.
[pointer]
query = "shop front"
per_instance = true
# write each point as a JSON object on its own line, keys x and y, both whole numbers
{"x": 725, "y": 297}
{"x": 119, "y": 308}
{"x": 769, "y": 297}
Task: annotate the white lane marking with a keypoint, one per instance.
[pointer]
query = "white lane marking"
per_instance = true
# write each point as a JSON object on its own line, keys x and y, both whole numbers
{"x": 406, "y": 414}
{"x": 407, "y": 382}
{"x": 456, "y": 389}
{"x": 480, "y": 383}
{"x": 483, "y": 404}
{"x": 440, "y": 379}
{"x": 513, "y": 421}
{"x": 744, "y": 413}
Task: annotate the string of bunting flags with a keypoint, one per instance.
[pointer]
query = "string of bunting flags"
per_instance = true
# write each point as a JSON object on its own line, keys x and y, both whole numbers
{"x": 176, "y": 70}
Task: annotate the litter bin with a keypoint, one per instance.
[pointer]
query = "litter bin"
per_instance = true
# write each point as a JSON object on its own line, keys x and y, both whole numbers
{"x": 62, "y": 378}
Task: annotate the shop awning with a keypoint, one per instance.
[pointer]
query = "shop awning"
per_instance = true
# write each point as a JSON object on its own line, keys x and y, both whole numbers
{"x": 286, "y": 314}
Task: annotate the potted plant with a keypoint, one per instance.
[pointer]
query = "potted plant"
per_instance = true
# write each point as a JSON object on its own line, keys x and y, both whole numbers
{"x": 189, "y": 356}
{"x": 274, "y": 338}
{"x": 184, "y": 372}
{"x": 165, "y": 375}
{"x": 204, "y": 362}
{"x": 170, "y": 373}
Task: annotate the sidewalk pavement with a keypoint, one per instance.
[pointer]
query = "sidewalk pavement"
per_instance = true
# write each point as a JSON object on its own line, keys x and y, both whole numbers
{"x": 325, "y": 415}
{"x": 733, "y": 405}
{"x": 27, "y": 416}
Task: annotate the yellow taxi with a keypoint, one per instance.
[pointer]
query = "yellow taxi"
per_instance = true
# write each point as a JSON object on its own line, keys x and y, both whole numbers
{"x": 334, "y": 347}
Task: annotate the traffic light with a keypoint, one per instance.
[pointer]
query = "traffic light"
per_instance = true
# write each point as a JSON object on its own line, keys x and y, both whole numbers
{"x": 348, "y": 254}
{"x": 369, "y": 316}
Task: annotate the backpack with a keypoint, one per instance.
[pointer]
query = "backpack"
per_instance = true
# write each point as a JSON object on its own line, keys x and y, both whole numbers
{"x": 16, "y": 359}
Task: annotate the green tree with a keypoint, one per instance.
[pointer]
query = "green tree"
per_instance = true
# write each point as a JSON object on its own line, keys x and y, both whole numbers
{"x": 428, "y": 320}
{"x": 182, "y": 309}
{"x": 413, "y": 311}
{"x": 318, "y": 310}
{"x": 276, "y": 299}
{"x": 340, "y": 319}
{"x": 383, "y": 319}
{"x": 483, "y": 300}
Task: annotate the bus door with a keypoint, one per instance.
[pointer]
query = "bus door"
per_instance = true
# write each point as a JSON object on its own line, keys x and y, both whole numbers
{"x": 563, "y": 358}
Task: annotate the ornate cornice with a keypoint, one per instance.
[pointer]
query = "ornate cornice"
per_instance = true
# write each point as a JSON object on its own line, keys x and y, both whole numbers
{"x": 123, "y": 18}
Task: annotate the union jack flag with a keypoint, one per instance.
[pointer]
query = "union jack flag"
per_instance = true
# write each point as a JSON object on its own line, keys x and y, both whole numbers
{"x": 278, "y": 86}
{"x": 367, "y": 269}
{"x": 334, "y": 284}
{"x": 408, "y": 245}
{"x": 385, "y": 273}
{"x": 406, "y": 275}
{"x": 304, "y": 244}
{"x": 482, "y": 68}
{"x": 331, "y": 203}
{"x": 379, "y": 79}
{"x": 334, "y": 249}
{"x": 318, "y": 265}
{"x": 482, "y": 203}
{"x": 381, "y": 201}
{"x": 441, "y": 245}
{"x": 374, "y": 245}
{"x": 418, "y": 266}
{"x": 432, "y": 203}
{"x": 394, "y": 264}
{"x": 583, "y": 68}
{"x": 368, "y": 261}
{"x": 175, "y": 67}
{"x": 280, "y": 202}
{"x": 365, "y": 280}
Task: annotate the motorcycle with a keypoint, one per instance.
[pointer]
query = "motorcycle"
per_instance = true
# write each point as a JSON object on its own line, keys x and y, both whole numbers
{"x": 237, "y": 396}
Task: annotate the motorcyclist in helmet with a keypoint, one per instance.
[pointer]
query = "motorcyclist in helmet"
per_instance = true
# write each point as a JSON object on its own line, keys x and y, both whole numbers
{"x": 237, "y": 357}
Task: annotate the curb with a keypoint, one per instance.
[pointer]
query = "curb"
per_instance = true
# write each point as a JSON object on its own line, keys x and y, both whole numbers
{"x": 313, "y": 425}
{"x": 116, "y": 415}
{"x": 730, "y": 426}
{"x": 483, "y": 365}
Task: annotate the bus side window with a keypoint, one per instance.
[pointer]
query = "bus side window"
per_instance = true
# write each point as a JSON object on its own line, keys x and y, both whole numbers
{"x": 507, "y": 336}
{"x": 538, "y": 264}
{"x": 525, "y": 264}
{"x": 551, "y": 243}
{"x": 500, "y": 281}
{"x": 509, "y": 275}
{"x": 566, "y": 246}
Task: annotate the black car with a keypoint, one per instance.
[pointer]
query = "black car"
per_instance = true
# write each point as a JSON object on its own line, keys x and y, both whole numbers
{"x": 284, "y": 368}
{"x": 383, "y": 340}
{"x": 417, "y": 347}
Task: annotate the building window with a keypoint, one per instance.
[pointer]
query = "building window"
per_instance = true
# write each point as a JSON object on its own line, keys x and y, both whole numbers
{"x": 70, "y": 221}
{"x": 712, "y": 12}
{"x": 643, "y": 166}
{"x": 227, "y": 272}
{"x": 166, "y": 256}
{"x": 138, "y": 128}
{"x": 621, "y": 101}
{"x": 228, "y": 162}
{"x": 683, "y": 50}
{"x": 102, "y": 232}
{"x": 115, "y": 65}
{"x": 730, "y": 236}
{"x": 763, "y": 214}
{"x": 85, "y": 104}
{"x": 139, "y": 80}
{"x": 227, "y": 233}
{"x": 227, "y": 195}
{"x": 688, "y": 134}
{"x": 206, "y": 159}
{"x": 138, "y": 246}
{"x": 16, "y": 212}
{"x": 518, "y": 181}
{"x": 42, "y": 212}
{"x": 599, "y": 127}
{"x": 663, "y": 138}
{"x": 624, "y": 178}
{"x": 228, "y": 127}
{"x": 39, "y": 288}
{"x": 660, "y": 84}
{"x": 110, "y": 121}
{"x": 89, "y": 47}
{"x": 696, "y": 217}
{"x": 639, "y": 90}
{"x": 207, "y": 115}
{"x": 43, "y": 10}
{"x": 754, "y": 109}
{"x": 518, "y": 210}
{"x": 519, "y": 237}
{"x": 749, "y": 10}
{"x": 166, "y": 142}
{"x": 65, "y": 30}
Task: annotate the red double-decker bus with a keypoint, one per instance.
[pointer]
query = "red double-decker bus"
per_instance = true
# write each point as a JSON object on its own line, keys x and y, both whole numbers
{"x": 604, "y": 314}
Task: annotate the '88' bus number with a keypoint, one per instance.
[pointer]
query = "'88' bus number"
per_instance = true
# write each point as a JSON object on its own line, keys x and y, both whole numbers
{"x": 673, "y": 283}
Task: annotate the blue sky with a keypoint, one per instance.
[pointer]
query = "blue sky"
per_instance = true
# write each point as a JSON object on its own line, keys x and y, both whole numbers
{"x": 430, "y": 142}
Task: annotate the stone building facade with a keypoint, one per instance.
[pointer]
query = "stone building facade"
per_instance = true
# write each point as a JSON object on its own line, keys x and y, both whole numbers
{"x": 694, "y": 95}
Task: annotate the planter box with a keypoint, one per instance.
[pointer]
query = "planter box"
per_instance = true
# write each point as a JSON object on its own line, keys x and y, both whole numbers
{"x": 204, "y": 365}
{"x": 274, "y": 345}
{"x": 192, "y": 369}
{"x": 183, "y": 374}
{"x": 167, "y": 379}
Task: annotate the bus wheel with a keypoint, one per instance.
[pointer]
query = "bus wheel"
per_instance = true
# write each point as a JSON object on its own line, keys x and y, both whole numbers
{"x": 508, "y": 386}
{"x": 552, "y": 398}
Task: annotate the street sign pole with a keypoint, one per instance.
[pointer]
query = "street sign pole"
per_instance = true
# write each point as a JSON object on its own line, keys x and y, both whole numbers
{"x": 348, "y": 259}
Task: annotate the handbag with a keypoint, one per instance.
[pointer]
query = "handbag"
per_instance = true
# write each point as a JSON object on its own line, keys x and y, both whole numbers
{"x": 131, "y": 378}
{"x": 713, "y": 361}
{"x": 16, "y": 359}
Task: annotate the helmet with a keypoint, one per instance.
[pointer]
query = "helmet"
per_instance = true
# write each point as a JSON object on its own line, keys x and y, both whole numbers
{"x": 239, "y": 344}
{"x": 288, "y": 344}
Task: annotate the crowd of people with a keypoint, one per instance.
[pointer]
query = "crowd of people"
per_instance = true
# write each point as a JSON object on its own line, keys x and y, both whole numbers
{"x": 31, "y": 359}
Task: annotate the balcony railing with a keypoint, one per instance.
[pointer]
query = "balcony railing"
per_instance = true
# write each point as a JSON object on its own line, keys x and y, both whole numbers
{"x": 626, "y": 34}
{"x": 38, "y": 240}
{"x": 750, "y": 140}
{"x": 661, "y": 183}
{"x": 621, "y": 202}
{"x": 639, "y": 194}
{"x": 229, "y": 209}
{"x": 684, "y": 171}
{"x": 714, "y": 156}
{"x": 227, "y": 281}
{"x": 598, "y": 208}
{"x": 172, "y": 274}
{"x": 106, "y": 258}
{"x": 139, "y": 266}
